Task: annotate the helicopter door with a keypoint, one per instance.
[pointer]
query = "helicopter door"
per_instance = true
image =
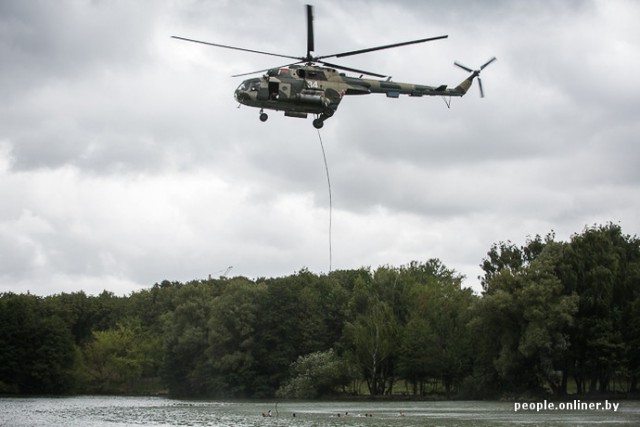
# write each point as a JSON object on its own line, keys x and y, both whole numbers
{"x": 263, "y": 94}
{"x": 285, "y": 90}
{"x": 274, "y": 89}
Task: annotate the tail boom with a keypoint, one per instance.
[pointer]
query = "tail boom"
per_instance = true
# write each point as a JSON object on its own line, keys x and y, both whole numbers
{"x": 395, "y": 89}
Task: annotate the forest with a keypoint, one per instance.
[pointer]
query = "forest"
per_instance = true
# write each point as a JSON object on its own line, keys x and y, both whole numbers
{"x": 554, "y": 318}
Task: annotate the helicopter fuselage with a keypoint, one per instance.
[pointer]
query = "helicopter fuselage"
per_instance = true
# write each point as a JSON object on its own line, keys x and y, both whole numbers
{"x": 300, "y": 90}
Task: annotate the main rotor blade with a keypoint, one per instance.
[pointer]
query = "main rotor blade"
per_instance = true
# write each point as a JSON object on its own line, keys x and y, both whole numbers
{"x": 238, "y": 48}
{"x": 388, "y": 46}
{"x": 480, "y": 86}
{"x": 310, "y": 44}
{"x": 354, "y": 70}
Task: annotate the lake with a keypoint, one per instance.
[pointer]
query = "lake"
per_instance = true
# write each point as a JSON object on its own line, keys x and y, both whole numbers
{"x": 94, "y": 411}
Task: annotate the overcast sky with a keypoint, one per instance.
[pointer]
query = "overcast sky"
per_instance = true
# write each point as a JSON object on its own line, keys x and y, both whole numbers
{"x": 124, "y": 160}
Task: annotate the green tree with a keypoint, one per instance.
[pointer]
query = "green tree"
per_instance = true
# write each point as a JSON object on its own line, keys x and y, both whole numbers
{"x": 117, "y": 359}
{"x": 602, "y": 266}
{"x": 415, "y": 363}
{"x": 501, "y": 256}
{"x": 37, "y": 351}
{"x": 374, "y": 338}
{"x": 632, "y": 340}
{"x": 187, "y": 368}
{"x": 435, "y": 341}
{"x": 78, "y": 311}
{"x": 507, "y": 256}
{"x": 314, "y": 375}
{"x": 323, "y": 305}
{"x": 526, "y": 318}
{"x": 231, "y": 342}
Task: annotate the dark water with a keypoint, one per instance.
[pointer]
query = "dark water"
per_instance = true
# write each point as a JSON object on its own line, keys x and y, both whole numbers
{"x": 93, "y": 411}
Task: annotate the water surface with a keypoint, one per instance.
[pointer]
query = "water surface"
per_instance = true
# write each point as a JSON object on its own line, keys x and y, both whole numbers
{"x": 94, "y": 411}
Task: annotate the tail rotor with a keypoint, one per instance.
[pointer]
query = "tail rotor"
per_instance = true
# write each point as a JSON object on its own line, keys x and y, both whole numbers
{"x": 476, "y": 73}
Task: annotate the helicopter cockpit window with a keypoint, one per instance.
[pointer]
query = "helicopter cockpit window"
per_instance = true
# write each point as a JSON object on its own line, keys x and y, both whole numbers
{"x": 249, "y": 86}
{"x": 315, "y": 75}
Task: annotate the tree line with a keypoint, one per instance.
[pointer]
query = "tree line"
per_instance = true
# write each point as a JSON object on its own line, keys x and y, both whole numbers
{"x": 553, "y": 318}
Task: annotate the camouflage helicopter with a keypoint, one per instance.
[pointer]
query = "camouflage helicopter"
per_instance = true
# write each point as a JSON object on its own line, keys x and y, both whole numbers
{"x": 302, "y": 87}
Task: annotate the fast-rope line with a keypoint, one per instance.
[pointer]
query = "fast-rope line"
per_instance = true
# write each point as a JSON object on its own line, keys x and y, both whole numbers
{"x": 326, "y": 168}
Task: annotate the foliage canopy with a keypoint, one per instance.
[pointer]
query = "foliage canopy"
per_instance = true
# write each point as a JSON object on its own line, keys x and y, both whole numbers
{"x": 554, "y": 317}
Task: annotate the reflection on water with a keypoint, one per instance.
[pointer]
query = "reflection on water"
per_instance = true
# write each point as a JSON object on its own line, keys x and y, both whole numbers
{"x": 94, "y": 411}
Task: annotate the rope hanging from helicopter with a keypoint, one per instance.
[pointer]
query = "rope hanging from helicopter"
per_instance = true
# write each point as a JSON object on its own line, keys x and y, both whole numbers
{"x": 326, "y": 168}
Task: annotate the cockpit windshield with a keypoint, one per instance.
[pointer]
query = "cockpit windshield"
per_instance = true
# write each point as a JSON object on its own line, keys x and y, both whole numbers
{"x": 252, "y": 85}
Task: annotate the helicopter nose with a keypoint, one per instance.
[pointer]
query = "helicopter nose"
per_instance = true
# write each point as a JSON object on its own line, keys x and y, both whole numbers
{"x": 241, "y": 96}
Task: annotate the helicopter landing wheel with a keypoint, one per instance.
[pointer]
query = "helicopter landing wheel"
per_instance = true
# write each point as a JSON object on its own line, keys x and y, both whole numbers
{"x": 318, "y": 123}
{"x": 264, "y": 117}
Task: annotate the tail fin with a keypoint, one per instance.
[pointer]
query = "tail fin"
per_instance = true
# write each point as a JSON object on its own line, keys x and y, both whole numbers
{"x": 464, "y": 86}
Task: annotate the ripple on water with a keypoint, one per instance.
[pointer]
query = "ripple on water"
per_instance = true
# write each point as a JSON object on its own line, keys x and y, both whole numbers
{"x": 101, "y": 411}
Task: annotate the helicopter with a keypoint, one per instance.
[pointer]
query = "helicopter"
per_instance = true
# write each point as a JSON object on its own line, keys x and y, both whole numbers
{"x": 311, "y": 85}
